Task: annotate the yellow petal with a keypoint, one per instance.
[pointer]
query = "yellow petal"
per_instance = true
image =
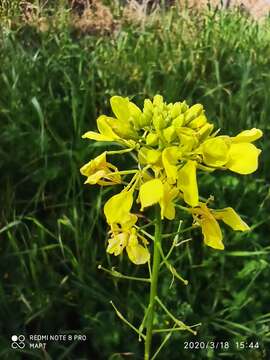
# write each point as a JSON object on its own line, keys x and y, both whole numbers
{"x": 135, "y": 114}
{"x": 98, "y": 171}
{"x": 170, "y": 156}
{"x": 94, "y": 178}
{"x": 117, "y": 208}
{"x": 166, "y": 203}
{"x": 150, "y": 193}
{"x": 126, "y": 112}
{"x": 104, "y": 124}
{"x": 187, "y": 183}
{"x": 215, "y": 152}
{"x": 231, "y": 218}
{"x": 129, "y": 222}
{"x": 211, "y": 232}
{"x": 117, "y": 243}
{"x": 243, "y": 158}
{"x": 120, "y": 107}
{"x": 248, "y": 136}
{"x": 96, "y": 136}
{"x": 115, "y": 128}
{"x": 138, "y": 254}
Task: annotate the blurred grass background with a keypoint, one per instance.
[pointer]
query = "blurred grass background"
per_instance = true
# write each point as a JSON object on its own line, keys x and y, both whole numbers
{"x": 54, "y": 83}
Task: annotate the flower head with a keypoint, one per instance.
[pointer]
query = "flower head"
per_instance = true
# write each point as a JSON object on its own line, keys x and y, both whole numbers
{"x": 170, "y": 143}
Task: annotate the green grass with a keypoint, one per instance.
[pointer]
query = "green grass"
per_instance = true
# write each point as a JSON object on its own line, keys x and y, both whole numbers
{"x": 52, "y": 231}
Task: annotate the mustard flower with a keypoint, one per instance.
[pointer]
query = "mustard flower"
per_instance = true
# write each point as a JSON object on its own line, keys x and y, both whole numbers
{"x": 170, "y": 144}
{"x": 207, "y": 219}
{"x": 99, "y": 171}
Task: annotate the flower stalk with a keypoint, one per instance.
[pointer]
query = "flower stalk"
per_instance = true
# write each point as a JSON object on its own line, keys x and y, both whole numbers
{"x": 154, "y": 282}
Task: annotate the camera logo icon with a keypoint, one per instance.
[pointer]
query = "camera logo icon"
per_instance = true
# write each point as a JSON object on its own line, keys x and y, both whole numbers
{"x": 18, "y": 342}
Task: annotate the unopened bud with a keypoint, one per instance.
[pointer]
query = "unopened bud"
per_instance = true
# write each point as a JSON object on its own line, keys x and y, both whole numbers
{"x": 152, "y": 139}
{"x": 198, "y": 122}
{"x": 175, "y": 110}
{"x": 178, "y": 121}
{"x": 169, "y": 134}
{"x": 158, "y": 101}
{"x": 193, "y": 112}
{"x": 205, "y": 131}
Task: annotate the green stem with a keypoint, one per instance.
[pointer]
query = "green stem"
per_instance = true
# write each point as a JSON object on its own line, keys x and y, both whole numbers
{"x": 153, "y": 288}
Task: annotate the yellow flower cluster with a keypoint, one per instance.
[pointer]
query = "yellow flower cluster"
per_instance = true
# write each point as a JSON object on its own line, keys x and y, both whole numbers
{"x": 170, "y": 143}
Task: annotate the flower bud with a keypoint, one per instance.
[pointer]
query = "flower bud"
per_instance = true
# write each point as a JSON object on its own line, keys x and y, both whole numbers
{"x": 169, "y": 134}
{"x": 184, "y": 107}
{"x": 175, "y": 110}
{"x": 158, "y": 101}
{"x": 144, "y": 120}
{"x": 198, "y": 122}
{"x": 178, "y": 121}
{"x": 148, "y": 105}
{"x": 152, "y": 139}
{"x": 205, "y": 131}
{"x": 159, "y": 122}
{"x": 193, "y": 112}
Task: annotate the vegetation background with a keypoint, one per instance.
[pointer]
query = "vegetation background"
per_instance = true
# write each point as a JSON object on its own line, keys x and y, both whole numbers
{"x": 58, "y": 68}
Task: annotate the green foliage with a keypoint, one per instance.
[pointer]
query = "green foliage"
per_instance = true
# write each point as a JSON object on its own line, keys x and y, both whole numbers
{"x": 53, "y": 233}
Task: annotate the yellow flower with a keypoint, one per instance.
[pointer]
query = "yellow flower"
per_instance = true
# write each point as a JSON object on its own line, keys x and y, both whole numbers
{"x": 187, "y": 183}
{"x": 121, "y": 129}
{"x": 106, "y": 133}
{"x": 207, "y": 219}
{"x": 153, "y": 192}
{"x": 99, "y": 171}
{"x": 137, "y": 253}
{"x": 166, "y": 202}
{"x": 170, "y": 141}
{"x": 150, "y": 193}
{"x": 125, "y": 237}
{"x": 243, "y": 156}
{"x": 125, "y": 110}
{"x": 236, "y": 154}
{"x": 117, "y": 208}
{"x": 117, "y": 243}
{"x": 170, "y": 157}
{"x": 215, "y": 151}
